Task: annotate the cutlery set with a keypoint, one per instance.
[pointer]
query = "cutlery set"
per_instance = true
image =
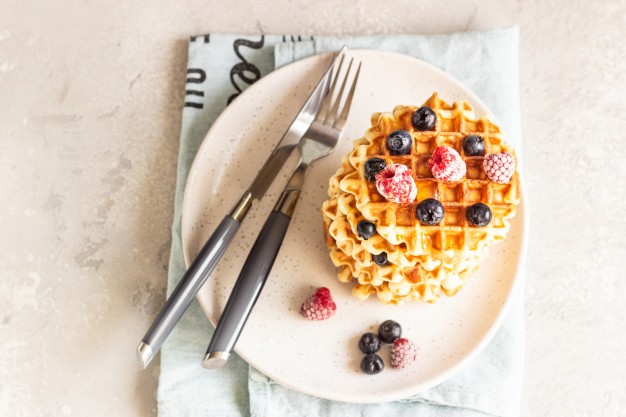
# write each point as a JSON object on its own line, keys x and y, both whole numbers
{"x": 313, "y": 134}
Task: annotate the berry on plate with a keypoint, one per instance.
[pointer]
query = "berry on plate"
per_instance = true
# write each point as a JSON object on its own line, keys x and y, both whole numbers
{"x": 424, "y": 118}
{"x": 372, "y": 364}
{"x": 369, "y": 343}
{"x": 389, "y": 331}
{"x": 446, "y": 164}
{"x": 372, "y": 167}
{"x": 396, "y": 184}
{"x": 319, "y": 306}
{"x": 399, "y": 142}
{"x": 499, "y": 167}
{"x": 478, "y": 214}
{"x": 430, "y": 212}
{"x": 380, "y": 259}
{"x": 403, "y": 353}
{"x": 365, "y": 229}
{"x": 474, "y": 145}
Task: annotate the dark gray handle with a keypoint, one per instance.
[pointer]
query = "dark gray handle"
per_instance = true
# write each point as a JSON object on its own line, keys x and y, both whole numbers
{"x": 188, "y": 287}
{"x": 248, "y": 286}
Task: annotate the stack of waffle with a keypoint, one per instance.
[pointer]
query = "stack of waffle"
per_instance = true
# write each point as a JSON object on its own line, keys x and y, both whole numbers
{"x": 423, "y": 261}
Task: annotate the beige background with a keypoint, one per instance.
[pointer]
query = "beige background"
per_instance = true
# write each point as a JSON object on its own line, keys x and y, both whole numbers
{"x": 90, "y": 102}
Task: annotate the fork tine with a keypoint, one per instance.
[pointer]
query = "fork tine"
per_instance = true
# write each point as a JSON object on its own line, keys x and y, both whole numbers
{"x": 323, "y": 111}
{"x": 334, "y": 109}
{"x": 341, "y": 120}
{"x": 330, "y": 70}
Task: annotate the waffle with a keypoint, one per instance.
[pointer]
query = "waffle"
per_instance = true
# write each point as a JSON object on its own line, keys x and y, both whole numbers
{"x": 424, "y": 261}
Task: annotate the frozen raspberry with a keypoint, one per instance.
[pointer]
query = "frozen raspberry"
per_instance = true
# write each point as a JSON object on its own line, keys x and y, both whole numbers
{"x": 403, "y": 353}
{"x": 499, "y": 167}
{"x": 396, "y": 184}
{"x": 319, "y": 306}
{"x": 446, "y": 164}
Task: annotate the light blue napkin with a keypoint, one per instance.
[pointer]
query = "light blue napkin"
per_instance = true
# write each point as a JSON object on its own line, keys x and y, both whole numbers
{"x": 220, "y": 67}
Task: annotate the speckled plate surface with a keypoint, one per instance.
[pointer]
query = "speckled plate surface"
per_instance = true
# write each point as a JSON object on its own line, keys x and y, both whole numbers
{"x": 276, "y": 340}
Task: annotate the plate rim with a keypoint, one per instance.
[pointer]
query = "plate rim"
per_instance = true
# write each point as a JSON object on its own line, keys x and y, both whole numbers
{"x": 501, "y": 315}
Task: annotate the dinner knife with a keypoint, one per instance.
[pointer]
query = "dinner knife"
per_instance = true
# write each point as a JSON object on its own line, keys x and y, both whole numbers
{"x": 214, "y": 248}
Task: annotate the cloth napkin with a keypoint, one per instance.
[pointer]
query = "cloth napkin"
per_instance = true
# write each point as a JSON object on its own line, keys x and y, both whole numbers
{"x": 222, "y": 66}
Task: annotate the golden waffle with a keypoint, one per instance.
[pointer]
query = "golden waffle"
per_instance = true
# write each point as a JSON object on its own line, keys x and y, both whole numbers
{"x": 406, "y": 277}
{"x": 451, "y": 248}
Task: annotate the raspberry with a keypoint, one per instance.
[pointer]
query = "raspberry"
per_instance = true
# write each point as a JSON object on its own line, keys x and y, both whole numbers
{"x": 403, "y": 353}
{"x": 446, "y": 164}
{"x": 396, "y": 184}
{"x": 499, "y": 167}
{"x": 319, "y": 306}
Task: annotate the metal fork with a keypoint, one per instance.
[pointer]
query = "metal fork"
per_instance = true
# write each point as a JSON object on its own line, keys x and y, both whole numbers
{"x": 318, "y": 141}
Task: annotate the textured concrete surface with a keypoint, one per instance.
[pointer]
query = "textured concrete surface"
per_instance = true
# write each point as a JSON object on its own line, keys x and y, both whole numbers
{"x": 90, "y": 100}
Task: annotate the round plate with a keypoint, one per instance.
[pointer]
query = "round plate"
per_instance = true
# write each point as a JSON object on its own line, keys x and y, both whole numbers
{"x": 277, "y": 341}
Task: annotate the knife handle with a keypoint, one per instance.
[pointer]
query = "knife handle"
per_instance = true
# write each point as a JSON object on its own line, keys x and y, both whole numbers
{"x": 191, "y": 282}
{"x": 250, "y": 282}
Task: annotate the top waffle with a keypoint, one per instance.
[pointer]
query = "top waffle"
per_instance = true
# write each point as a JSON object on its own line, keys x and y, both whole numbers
{"x": 397, "y": 223}
{"x": 409, "y": 245}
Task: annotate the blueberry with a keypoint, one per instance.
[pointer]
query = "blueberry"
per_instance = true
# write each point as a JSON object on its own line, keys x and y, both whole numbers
{"x": 380, "y": 259}
{"x": 372, "y": 364}
{"x": 389, "y": 331}
{"x": 430, "y": 212}
{"x": 474, "y": 145}
{"x": 478, "y": 214}
{"x": 373, "y": 166}
{"x": 424, "y": 118}
{"x": 399, "y": 142}
{"x": 365, "y": 229}
{"x": 369, "y": 343}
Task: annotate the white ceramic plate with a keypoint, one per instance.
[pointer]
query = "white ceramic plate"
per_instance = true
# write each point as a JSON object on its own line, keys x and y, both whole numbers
{"x": 322, "y": 358}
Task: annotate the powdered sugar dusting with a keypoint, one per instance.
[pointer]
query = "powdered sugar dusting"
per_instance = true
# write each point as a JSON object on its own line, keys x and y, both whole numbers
{"x": 499, "y": 167}
{"x": 396, "y": 184}
{"x": 446, "y": 164}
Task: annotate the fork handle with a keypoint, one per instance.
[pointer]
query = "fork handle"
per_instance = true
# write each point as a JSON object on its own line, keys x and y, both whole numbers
{"x": 251, "y": 280}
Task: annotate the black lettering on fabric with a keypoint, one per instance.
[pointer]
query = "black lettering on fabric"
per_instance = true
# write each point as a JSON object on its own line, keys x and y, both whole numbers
{"x": 244, "y": 70}
{"x": 205, "y": 38}
{"x": 195, "y": 76}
